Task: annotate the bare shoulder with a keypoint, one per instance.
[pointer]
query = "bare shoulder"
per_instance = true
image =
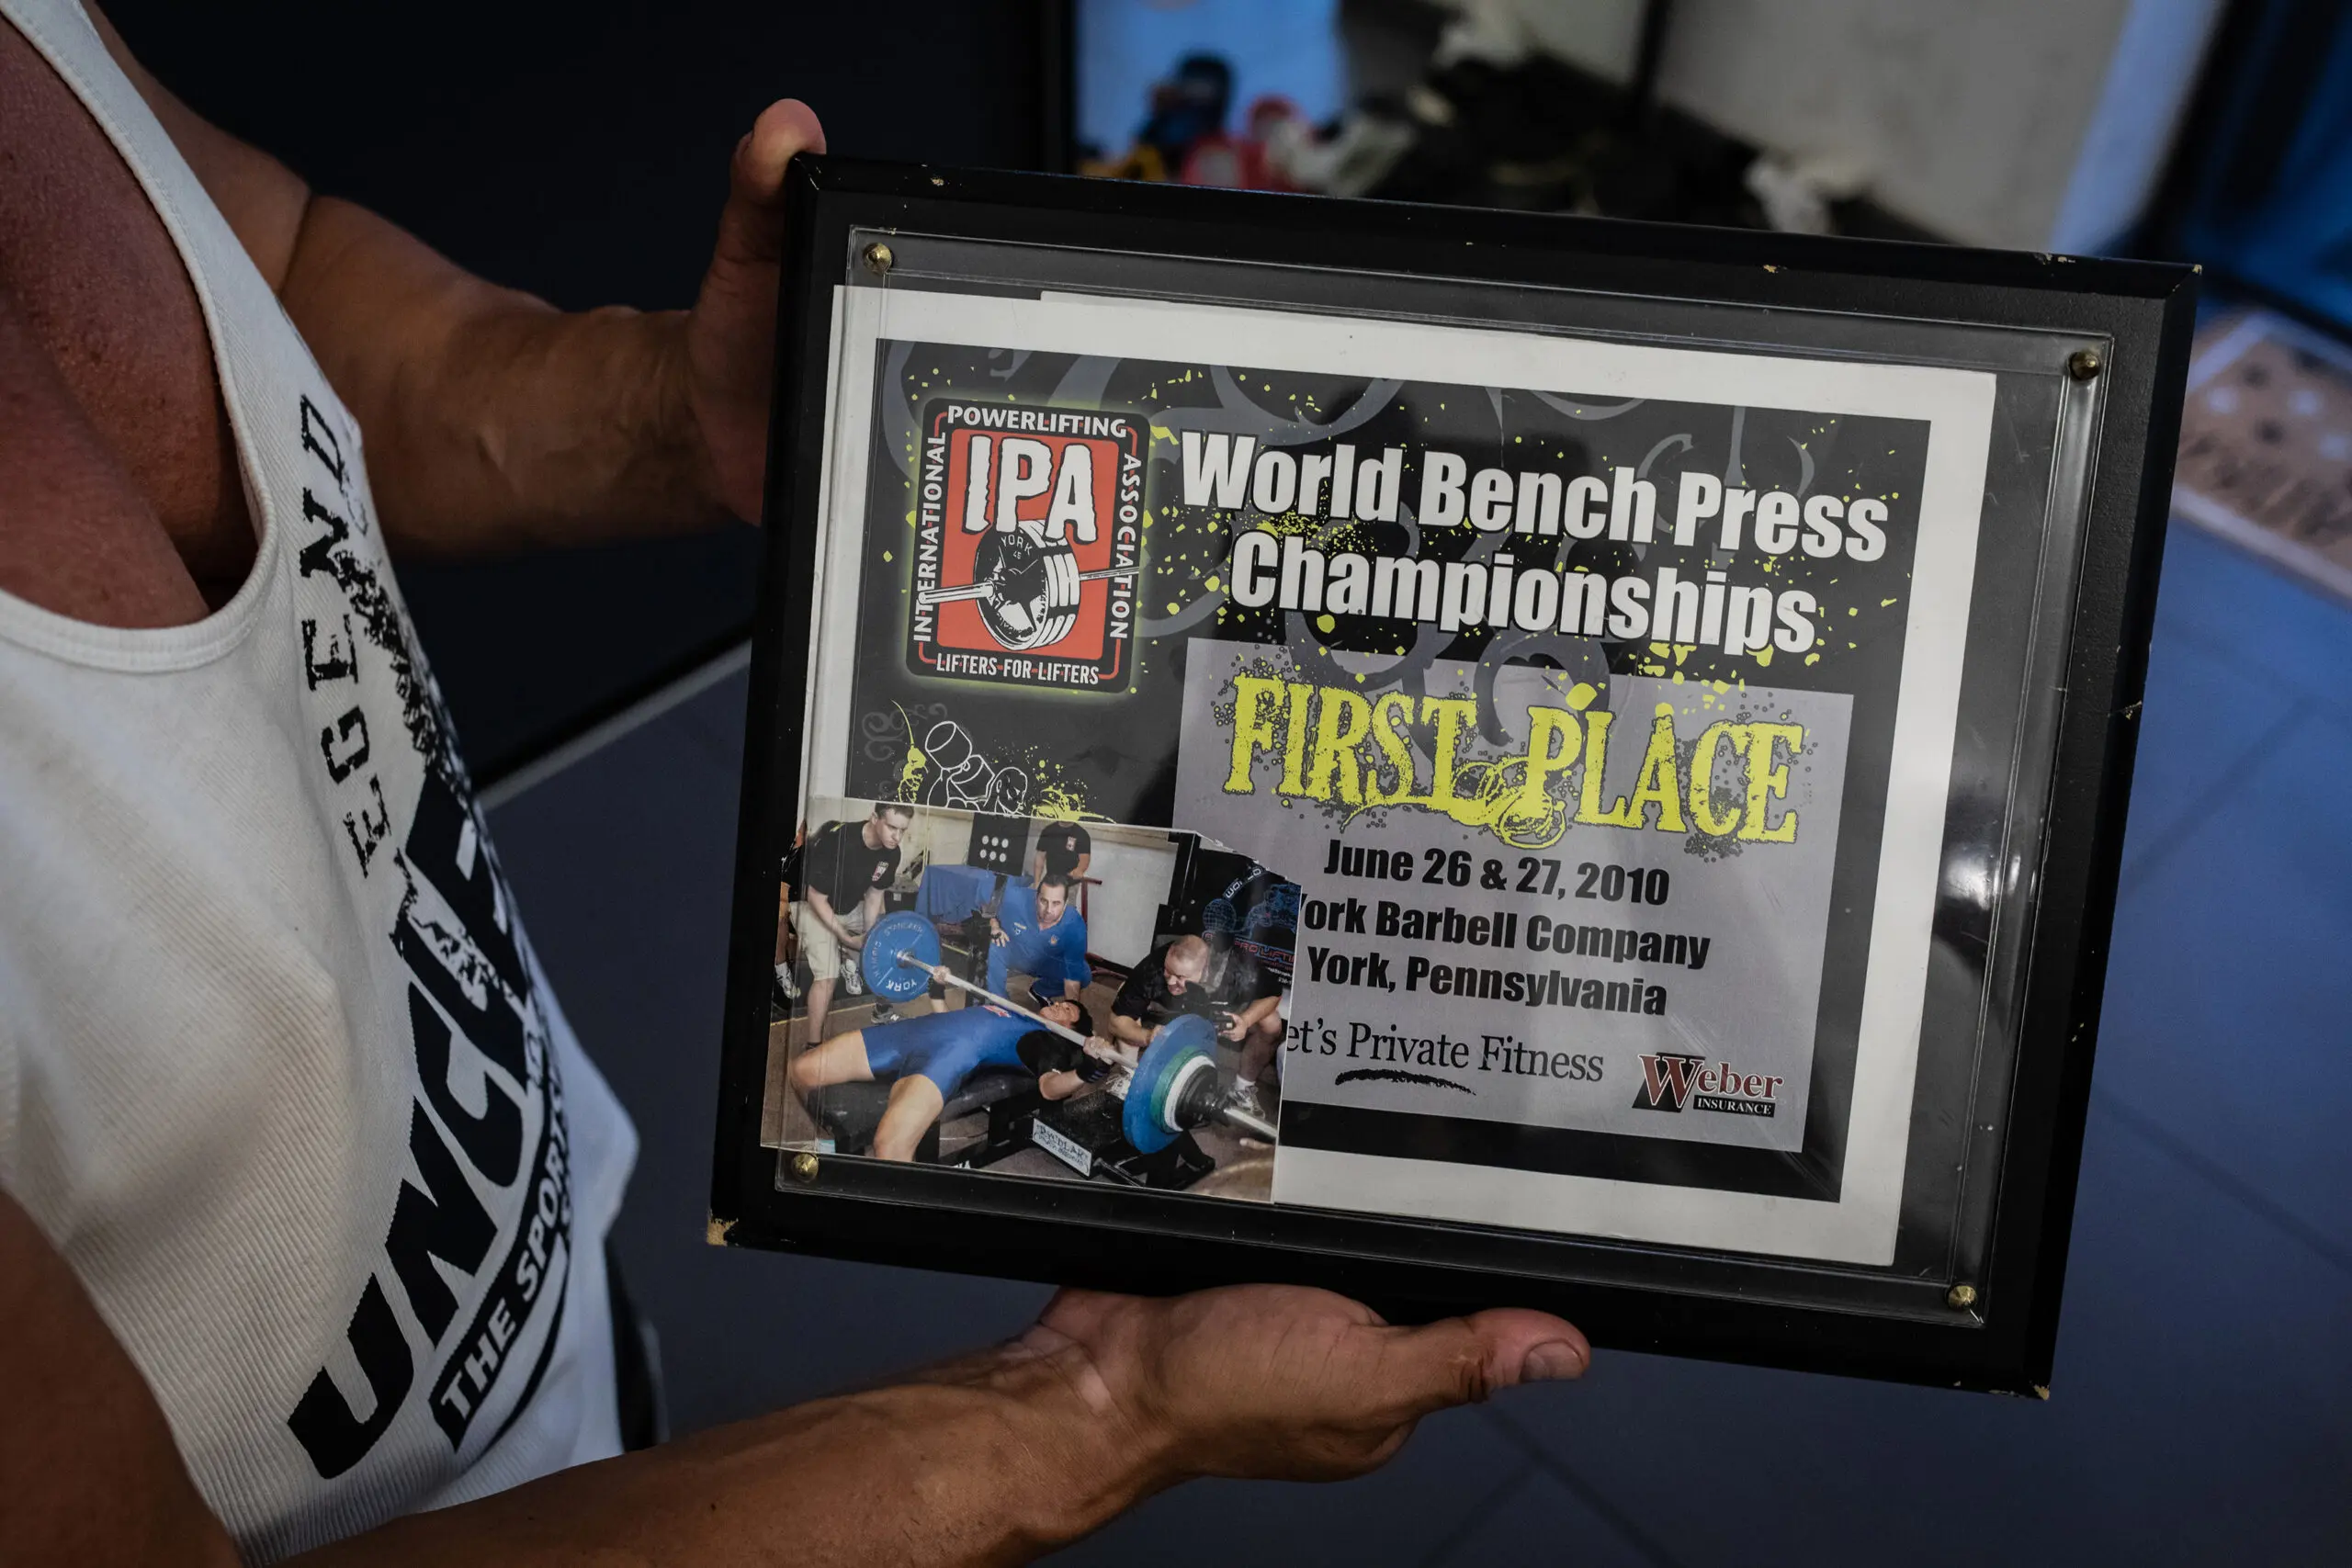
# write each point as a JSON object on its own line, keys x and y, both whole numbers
{"x": 77, "y": 536}
{"x": 119, "y": 482}
{"x": 263, "y": 199}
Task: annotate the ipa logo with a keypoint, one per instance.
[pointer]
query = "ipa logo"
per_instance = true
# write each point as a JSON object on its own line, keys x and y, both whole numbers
{"x": 1028, "y": 545}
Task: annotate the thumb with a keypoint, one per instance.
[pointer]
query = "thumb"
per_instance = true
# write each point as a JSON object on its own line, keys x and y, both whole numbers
{"x": 1461, "y": 1360}
{"x": 749, "y": 231}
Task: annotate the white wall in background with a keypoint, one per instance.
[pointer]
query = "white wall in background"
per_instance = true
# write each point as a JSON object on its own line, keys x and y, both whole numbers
{"x": 1134, "y": 866}
{"x": 1967, "y": 114}
{"x": 939, "y": 838}
{"x": 2033, "y": 124}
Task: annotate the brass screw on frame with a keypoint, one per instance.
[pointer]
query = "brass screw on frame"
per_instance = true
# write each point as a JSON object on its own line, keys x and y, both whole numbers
{"x": 2083, "y": 364}
{"x": 878, "y": 259}
{"x": 1960, "y": 1298}
{"x": 804, "y": 1169}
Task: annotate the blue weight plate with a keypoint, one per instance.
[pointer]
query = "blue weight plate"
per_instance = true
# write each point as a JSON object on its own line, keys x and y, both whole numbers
{"x": 1172, "y": 1045}
{"x": 907, "y": 933}
{"x": 1135, "y": 1121}
{"x": 1189, "y": 1031}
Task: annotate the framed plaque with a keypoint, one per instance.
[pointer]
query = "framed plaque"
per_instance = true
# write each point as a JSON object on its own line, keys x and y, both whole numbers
{"x": 1463, "y": 758}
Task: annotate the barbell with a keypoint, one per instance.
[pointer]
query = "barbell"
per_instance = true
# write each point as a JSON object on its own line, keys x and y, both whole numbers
{"x": 1026, "y": 586}
{"x": 984, "y": 589}
{"x": 1175, "y": 1087}
{"x": 900, "y": 952}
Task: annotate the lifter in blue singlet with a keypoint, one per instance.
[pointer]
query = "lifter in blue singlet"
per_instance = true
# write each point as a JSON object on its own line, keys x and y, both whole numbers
{"x": 931, "y": 1055}
{"x": 1036, "y": 933}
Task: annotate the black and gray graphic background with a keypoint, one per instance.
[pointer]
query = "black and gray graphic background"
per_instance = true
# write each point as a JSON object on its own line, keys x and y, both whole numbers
{"x": 1114, "y": 757}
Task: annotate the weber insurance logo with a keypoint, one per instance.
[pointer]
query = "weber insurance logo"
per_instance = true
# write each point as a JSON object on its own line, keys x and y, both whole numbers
{"x": 1029, "y": 544}
{"x": 1672, "y": 1083}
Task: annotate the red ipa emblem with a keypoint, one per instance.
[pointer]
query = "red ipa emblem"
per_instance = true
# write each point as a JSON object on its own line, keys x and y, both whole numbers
{"x": 1029, "y": 545}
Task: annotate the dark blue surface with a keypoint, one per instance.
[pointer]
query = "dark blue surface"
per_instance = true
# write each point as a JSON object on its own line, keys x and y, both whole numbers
{"x": 2270, "y": 169}
{"x": 2202, "y": 1407}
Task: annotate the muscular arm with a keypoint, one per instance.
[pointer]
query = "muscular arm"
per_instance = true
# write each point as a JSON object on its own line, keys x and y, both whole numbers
{"x": 991, "y": 1459}
{"x": 493, "y": 420}
{"x": 994, "y": 1458}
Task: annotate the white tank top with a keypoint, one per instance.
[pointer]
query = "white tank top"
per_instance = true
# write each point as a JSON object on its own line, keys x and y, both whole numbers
{"x": 278, "y": 1073}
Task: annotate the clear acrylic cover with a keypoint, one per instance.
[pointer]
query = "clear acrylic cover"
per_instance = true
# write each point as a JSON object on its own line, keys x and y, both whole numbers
{"x": 1564, "y": 771}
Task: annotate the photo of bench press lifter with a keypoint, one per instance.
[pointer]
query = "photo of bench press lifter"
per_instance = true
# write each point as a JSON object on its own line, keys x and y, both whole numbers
{"x": 1081, "y": 1001}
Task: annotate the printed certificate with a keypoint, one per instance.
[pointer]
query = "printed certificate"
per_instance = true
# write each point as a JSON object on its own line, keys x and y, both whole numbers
{"x": 1591, "y": 707}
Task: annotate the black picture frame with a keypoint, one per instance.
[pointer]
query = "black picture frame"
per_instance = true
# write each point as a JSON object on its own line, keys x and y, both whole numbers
{"x": 2001, "y": 1340}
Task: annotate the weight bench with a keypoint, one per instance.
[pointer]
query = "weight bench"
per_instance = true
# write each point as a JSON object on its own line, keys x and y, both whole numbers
{"x": 1175, "y": 1087}
{"x": 851, "y": 1112}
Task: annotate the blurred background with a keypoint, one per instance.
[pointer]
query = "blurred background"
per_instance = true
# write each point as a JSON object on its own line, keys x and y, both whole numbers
{"x": 579, "y": 150}
{"x": 2202, "y": 1409}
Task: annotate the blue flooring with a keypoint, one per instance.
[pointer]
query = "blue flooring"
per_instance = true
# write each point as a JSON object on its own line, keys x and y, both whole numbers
{"x": 2202, "y": 1407}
